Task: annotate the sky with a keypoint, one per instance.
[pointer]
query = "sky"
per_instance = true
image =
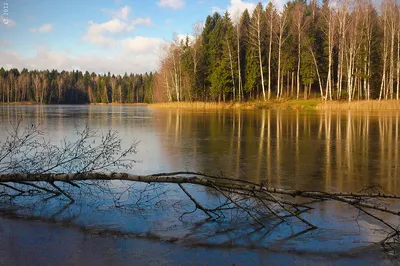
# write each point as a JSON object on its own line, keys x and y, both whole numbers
{"x": 98, "y": 35}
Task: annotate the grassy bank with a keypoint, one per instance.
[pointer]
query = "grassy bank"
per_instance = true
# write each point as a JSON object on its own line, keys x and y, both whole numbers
{"x": 287, "y": 104}
{"x": 373, "y": 105}
{"x": 115, "y": 103}
{"x": 273, "y": 104}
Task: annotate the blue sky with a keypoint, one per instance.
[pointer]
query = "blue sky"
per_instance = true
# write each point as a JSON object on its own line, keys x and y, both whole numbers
{"x": 98, "y": 35}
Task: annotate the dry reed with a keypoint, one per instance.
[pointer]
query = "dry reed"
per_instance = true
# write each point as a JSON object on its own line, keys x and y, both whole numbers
{"x": 375, "y": 105}
{"x": 272, "y": 104}
{"x": 202, "y": 105}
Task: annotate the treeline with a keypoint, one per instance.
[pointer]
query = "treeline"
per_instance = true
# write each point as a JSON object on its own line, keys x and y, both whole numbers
{"x": 344, "y": 50}
{"x": 73, "y": 87}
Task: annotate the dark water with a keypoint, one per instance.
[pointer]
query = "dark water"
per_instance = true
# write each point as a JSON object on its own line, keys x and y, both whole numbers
{"x": 329, "y": 151}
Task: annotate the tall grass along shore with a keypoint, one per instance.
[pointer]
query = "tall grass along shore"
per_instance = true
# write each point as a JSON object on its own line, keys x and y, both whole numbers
{"x": 317, "y": 104}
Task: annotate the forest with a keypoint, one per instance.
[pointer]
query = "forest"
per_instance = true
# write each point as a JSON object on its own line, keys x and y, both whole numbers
{"x": 342, "y": 50}
{"x": 70, "y": 87}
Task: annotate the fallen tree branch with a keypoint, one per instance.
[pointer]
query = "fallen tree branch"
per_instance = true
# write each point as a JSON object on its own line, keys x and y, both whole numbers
{"x": 29, "y": 161}
{"x": 266, "y": 196}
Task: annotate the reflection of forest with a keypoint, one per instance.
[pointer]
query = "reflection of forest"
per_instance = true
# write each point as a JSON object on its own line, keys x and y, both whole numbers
{"x": 314, "y": 150}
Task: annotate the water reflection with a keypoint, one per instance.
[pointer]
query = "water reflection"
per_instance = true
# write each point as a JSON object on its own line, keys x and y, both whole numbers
{"x": 304, "y": 150}
{"x": 298, "y": 149}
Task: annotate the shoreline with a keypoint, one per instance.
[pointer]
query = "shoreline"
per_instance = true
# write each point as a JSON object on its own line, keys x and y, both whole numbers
{"x": 44, "y": 104}
{"x": 310, "y": 104}
{"x": 271, "y": 104}
{"x": 371, "y": 105}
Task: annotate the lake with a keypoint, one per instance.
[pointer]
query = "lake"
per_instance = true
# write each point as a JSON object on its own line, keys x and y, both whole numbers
{"x": 313, "y": 150}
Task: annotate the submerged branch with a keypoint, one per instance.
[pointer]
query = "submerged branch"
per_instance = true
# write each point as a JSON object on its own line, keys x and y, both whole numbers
{"x": 62, "y": 191}
{"x": 196, "y": 203}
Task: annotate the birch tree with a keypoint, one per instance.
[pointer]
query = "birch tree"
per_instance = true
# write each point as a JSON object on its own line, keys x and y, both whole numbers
{"x": 299, "y": 23}
{"x": 330, "y": 32}
{"x": 342, "y": 15}
{"x": 282, "y": 36}
{"x": 239, "y": 34}
{"x": 256, "y": 39}
{"x": 385, "y": 48}
{"x": 271, "y": 14}
{"x": 398, "y": 53}
{"x": 229, "y": 42}
{"x": 368, "y": 21}
{"x": 352, "y": 48}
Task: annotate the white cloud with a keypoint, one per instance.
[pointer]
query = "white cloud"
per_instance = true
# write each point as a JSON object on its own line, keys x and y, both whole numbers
{"x": 97, "y": 33}
{"x": 122, "y": 13}
{"x": 144, "y": 21}
{"x": 217, "y": 9}
{"x": 43, "y": 29}
{"x": 7, "y": 22}
{"x": 141, "y": 44}
{"x": 113, "y": 26}
{"x": 140, "y": 21}
{"x": 174, "y": 4}
{"x": 279, "y": 4}
{"x": 125, "y": 61}
{"x": 237, "y": 7}
{"x": 182, "y": 37}
{"x": 101, "y": 34}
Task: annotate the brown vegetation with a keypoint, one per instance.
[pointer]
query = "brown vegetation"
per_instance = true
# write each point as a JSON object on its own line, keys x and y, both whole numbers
{"x": 373, "y": 105}
{"x": 271, "y": 104}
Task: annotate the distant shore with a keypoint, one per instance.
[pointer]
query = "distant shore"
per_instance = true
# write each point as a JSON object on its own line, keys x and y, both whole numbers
{"x": 19, "y": 103}
{"x": 35, "y": 103}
